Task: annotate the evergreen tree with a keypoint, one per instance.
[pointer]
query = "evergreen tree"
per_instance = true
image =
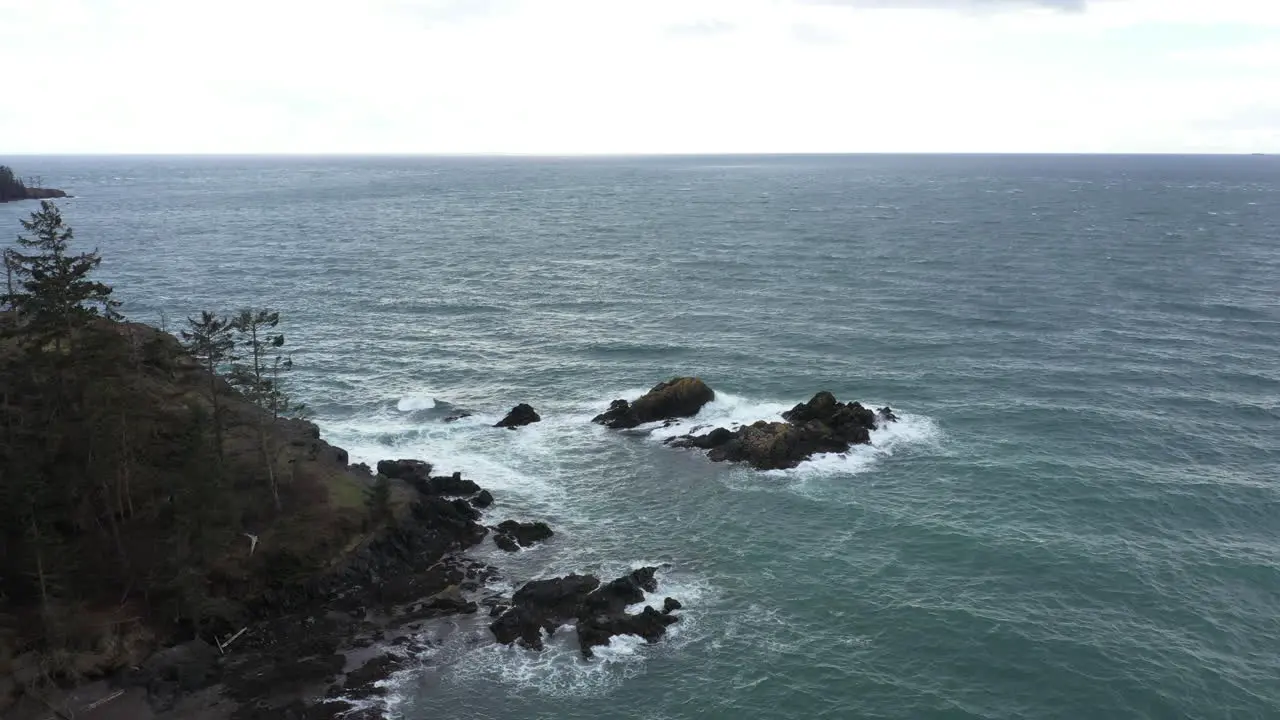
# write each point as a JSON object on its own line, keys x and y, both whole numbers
{"x": 48, "y": 287}
{"x": 258, "y": 375}
{"x": 210, "y": 340}
{"x": 11, "y": 188}
{"x": 257, "y": 336}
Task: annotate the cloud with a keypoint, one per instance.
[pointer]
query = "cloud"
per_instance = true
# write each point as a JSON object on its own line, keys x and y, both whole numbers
{"x": 963, "y": 5}
{"x": 810, "y": 34}
{"x": 702, "y": 28}
{"x": 700, "y": 76}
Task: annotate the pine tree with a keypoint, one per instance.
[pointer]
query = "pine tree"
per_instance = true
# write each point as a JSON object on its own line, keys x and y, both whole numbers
{"x": 258, "y": 375}
{"x": 11, "y": 188}
{"x": 49, "y": 288}
{"x": 209, "y": 339}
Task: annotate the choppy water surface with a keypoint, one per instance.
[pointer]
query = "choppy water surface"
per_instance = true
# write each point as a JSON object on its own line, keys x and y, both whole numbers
{"x": 1077, "y": 518}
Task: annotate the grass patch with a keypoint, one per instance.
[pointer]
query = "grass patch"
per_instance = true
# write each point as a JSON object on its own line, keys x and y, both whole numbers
{"x": 344, "y": 491}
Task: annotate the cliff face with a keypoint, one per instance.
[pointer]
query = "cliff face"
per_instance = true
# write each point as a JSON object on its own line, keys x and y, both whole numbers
{"x": 123, "y": 524}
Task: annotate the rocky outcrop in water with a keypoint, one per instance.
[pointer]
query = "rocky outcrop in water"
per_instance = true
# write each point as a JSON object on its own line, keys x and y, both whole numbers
{"x": 12, "y": 188}
{"x": 599, "y": 611}
{"x": 511, "y": 535}
{"x": 676, "y": 398}
{"x": 418, "y": 474}
{"x": 520, "y": 415}
{"x": 821, "y": 425}
{"x": 406, "y": 470}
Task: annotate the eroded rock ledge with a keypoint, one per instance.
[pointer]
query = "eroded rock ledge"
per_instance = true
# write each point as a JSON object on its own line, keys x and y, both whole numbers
{"x": 676, "y": 398}
{"x": 822, "y": 425}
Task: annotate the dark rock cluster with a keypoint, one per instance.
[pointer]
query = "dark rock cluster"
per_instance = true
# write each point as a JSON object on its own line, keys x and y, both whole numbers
{"x": 821, "y": 425}
{"x": 599, "y": 612}
{"x": 511, "y": 535}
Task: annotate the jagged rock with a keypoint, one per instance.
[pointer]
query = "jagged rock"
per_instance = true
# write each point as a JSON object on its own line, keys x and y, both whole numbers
{"x": 512, "y": 535}
{"x": 456, "y": 418}
{"x": 520, "y": 415}
{"x": 542, "y": 604}
{"x": 617, "y": 416}
{"x": 614, "y": 596}
{"x": 678, "y": 397}
{"x": 598, "y": 629}
{"x": 821, "y": 425}
{"x": 713, "y": 439}
{"x": 362, "y": 469}
{"x": 446, "y": 485}
{"x": 482, "y": 500}
{"x": 599, "y": 611}
{"x": 455, "y": 518}
{"x": 407, "y": 470}
{"x": 361, "y": 682}
{"x": 670, "y": 605}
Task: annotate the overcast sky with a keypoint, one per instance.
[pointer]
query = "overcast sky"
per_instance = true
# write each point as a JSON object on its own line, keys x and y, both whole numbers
{"x": 639, "y": 76}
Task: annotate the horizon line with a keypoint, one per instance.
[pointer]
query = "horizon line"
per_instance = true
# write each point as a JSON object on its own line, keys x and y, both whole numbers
{"x": 585, "y": 155}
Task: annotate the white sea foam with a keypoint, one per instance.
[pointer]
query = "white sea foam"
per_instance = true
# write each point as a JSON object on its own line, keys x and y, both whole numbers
{"x": 498, "y": 460}
{"x": 416, "y": 401}
{"x": 910, "y": 431}
{"x": 726, "y": 410}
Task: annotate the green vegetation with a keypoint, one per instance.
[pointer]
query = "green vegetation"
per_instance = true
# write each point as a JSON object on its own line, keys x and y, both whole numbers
{"x": 11, "y": 188}
{"x": 131, "y": 471}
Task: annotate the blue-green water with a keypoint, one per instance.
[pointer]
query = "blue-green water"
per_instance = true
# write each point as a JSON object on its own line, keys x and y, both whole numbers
{"x": 1078, "y": 517}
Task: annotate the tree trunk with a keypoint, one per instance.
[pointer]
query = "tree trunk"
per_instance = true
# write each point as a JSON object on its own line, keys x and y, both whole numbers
{"x": 44, "y": 583}
{"x": 217, "y": 409}
{"x": 271, "y": 470}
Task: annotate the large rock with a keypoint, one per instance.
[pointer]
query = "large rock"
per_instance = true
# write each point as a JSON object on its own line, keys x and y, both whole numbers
{"x": 542, "y": 605}
{"x": 520, "y": 415}
{"x": 677, "y": 398}
{"x": 446, "y": 485}
{"x": 597, "y": 630}
{"x": 407, "y": 470}
{"x": 821, "y": 425}
{"x": 599, "y": 611}
{"x": 614, "y": 597}
{"x": 454, "y": 520}
{"x": 512, "y": 535}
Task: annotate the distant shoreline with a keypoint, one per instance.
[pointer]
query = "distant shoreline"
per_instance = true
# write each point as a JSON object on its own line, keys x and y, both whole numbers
{"x": 37, "y": 194}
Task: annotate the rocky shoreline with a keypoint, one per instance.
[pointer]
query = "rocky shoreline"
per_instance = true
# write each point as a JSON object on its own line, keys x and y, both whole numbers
{"x": 323, "y": 649}
{"x": 322, "y": 646}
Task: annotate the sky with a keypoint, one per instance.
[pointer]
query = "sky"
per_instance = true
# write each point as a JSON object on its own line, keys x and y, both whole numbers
{"x": 639, "y": 76}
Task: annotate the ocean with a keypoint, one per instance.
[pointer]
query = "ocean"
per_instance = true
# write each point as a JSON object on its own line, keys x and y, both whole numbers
{"x": 1078, "y": 516}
